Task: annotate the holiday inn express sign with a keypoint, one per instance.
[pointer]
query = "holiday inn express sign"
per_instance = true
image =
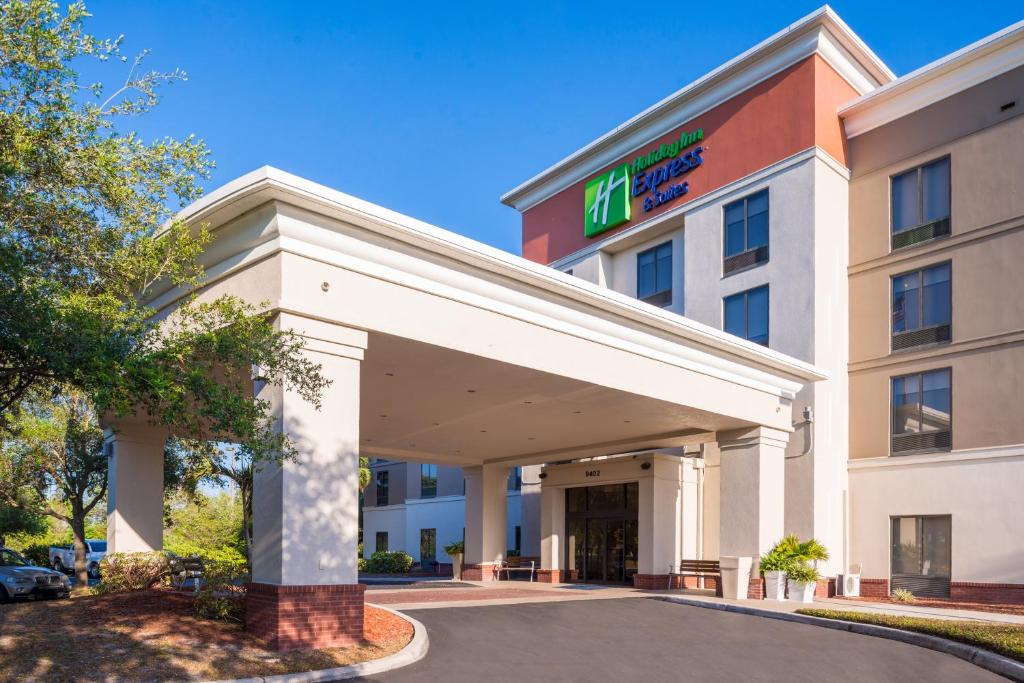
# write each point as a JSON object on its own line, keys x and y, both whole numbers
{"x": 608, "y": 197}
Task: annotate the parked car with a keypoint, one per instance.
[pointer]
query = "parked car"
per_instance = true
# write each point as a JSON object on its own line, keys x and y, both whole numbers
{"x": 19, "y": 580}
{"x": 62, "y": 558}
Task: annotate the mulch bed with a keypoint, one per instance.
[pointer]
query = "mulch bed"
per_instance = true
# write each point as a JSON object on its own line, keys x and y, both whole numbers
{"x": 154, "y": 636}
{"x": 999, "y": 608}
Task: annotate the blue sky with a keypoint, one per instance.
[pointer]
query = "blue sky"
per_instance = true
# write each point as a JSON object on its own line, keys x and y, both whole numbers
{"x": 435, "y": 111}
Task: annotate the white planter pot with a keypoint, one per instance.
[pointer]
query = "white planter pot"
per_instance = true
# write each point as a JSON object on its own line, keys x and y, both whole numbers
{"x": 775, "y": 585}
{"x": 801, "y": 592}
{"x": 735, "y": 576}
{"x": 457, "y": 567}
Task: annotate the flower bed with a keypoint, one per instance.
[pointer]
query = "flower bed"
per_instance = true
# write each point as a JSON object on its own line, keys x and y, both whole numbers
{"x": 153, "y": 635}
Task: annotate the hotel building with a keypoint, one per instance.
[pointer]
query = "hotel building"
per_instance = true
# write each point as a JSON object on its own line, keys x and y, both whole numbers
{"x": 784, "y": 299}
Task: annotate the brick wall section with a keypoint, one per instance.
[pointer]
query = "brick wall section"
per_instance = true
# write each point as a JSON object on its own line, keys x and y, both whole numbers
{"x": 826, "y": 588}
{"x": 874, "y": 588}
{"x": 755, "y": 589}
{"x": 480, "y": 572}
{"x": 556, "y": 575}
{"x": 1003, "y": 593}
{"x": 305, "y": 617}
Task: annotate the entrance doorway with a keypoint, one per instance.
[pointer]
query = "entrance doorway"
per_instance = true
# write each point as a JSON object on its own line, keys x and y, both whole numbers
{"x": 602, "y": 532}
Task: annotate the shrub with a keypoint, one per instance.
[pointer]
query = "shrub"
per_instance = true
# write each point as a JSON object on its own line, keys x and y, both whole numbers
{"x": 384, "y": 562}
{"x": 791, "y": 551}
{"x": 221, "y": 594}
{"x": 455, "y": 548}
{"x": 361, "y": 564}
{"x": 126, "y": 572}
{"x": 801, "y": 572}
{"x": 902, "y": 595}
{"x": 1005, "y": 639}
{"x": 37, "y": 554}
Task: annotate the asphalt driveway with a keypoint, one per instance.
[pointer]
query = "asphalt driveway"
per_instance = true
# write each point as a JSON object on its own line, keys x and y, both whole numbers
{"x": 646, "y": 640}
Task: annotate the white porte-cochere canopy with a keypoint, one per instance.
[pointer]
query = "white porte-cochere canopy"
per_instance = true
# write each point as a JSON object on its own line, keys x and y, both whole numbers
{"x": 445, "y": 350}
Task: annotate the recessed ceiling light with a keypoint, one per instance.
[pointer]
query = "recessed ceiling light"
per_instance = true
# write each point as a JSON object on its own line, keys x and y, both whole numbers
{"x": 577, "y": 412}
{"x": 529, "y": 438}
{"x": 470, "y": 391}
{"x": 389, "y": 374}
{"x": 527, "y": 402}
{"x": 383, "y": 415}
{"x": 436, "y": 424}
{"x": 627, "y": 421}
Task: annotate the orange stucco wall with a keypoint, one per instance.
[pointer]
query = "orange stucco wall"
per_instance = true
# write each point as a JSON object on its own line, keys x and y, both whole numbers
{"x": 788, "y": 113}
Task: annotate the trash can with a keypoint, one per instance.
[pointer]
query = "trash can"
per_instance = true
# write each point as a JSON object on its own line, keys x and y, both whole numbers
{"x": 735, "y": 576}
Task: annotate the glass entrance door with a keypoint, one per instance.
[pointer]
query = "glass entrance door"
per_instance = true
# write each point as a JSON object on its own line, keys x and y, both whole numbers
{"x": 602, "y": 531}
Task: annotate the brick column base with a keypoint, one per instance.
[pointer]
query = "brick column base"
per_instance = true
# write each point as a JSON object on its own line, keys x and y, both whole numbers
{"x": 480, "y": 572}
{"x": 556, "y": 575}
{"x": 305, "y": 617}
{"x": 755, "y": 589}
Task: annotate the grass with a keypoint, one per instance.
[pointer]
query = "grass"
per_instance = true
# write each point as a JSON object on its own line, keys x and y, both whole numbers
{"x": 1004, "y": 639}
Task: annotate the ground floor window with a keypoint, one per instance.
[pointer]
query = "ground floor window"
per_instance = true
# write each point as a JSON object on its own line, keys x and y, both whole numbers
{"x": 428, "y": 546}
{"x": 382, "y": 541}
{"x": 518, "y": 540}
{"x": 922, "y": 555}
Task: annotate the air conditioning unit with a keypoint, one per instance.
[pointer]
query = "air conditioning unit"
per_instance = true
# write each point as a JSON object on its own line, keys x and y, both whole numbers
{"x": 848, "y": 585}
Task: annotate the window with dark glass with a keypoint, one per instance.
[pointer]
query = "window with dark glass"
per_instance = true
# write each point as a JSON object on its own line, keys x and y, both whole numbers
{"x": 382, "y": 541}
{"x": 428, "y": 481}
{"x": 428, "y": 546}
{"x": 920, "y": 204}
{"x": 746, "y": 232}
{"x": 515, "y": 479}
{"x": 922, "y": 555}
{"x": 921, "y": 412}
{"x": 518, "y": 539}
{"x": 654, "y": 275}
{"x": 922, "y": 307}
{"x": 746, "y": 315}
{"x": 382, "y": 488}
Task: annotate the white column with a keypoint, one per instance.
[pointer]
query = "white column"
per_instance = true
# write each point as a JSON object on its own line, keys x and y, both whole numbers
{"x": 486, "y": 512}
{"x": 552, "y": 534}
{"x": 660, "y": 516}
{"x": 135, "y": 487}
{"x": 306, "y": 511}
{"x": 752, "y": 490}
{"x": 691, "y": 517}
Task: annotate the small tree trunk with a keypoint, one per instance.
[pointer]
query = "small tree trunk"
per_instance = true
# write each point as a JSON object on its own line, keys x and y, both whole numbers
{"x": 246, "y": 493}
{"x": 81, "y": 562}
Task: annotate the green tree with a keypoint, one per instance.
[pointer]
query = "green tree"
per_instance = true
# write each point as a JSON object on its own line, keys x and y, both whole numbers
{"x": 19, "y": 521}
{"x": 209, "y": 526}
{"x": 87, "y": 234}
{"x": 54, "y": 464}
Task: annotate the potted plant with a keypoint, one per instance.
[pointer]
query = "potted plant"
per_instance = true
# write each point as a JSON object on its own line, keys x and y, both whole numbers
{"x": 774, "y": 565}
{"x": 802, "y": 579}
{"x": 456, "y": 550}
{"x": 512, "y": 557}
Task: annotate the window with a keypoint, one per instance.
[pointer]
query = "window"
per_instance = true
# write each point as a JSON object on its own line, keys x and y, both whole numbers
{"x": 746, "y": 233}
{"x": 921, "y": 307}
{"x": 382, "y": 541}
{"x": 921, "y": 410}
{"x": 428, "y": 546}
{"x": 922, "y": 554}
{"x": 746, "y": 315}
{"x": 428, "y": 481}
{"x": 654, "y": 275}
{"x": 515, "y": 479}
{"x": 382, "y": 488}
{"x": 920, "y": 204}
{"x": 518, "y": 542}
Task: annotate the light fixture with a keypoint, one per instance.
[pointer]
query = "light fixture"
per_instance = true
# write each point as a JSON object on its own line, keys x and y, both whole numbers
{"x": 645, "y": 465}
{"x": 543, "y": 475}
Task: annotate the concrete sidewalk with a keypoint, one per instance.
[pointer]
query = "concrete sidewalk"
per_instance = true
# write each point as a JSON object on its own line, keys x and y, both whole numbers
{"x": 488, "y": 593}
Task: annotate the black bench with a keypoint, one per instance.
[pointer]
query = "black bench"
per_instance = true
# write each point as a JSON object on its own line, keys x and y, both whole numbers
{"x": 699, "y": 568}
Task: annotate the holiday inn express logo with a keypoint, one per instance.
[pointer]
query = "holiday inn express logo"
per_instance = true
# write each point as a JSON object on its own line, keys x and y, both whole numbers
{"x": 607, "y": 201}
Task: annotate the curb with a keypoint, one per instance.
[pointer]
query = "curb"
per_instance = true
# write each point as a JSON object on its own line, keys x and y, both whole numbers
{"x": 411, "y": 653}
{"x": 996, "y": 663}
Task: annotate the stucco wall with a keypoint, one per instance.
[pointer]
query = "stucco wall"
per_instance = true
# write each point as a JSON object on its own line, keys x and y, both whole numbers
{"x": 981, "y": 495}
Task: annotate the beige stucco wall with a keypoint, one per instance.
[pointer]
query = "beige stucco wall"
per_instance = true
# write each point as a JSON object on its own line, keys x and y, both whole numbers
{"x": 985, "y": 250}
